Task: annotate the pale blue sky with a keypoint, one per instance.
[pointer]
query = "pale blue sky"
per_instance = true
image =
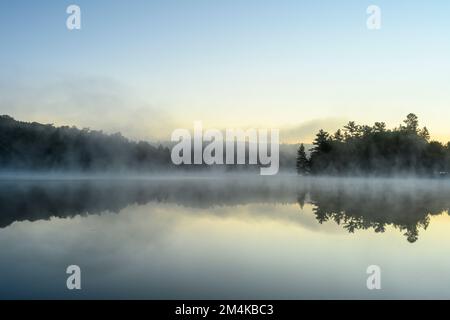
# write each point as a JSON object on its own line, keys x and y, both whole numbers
{"x": 148, "y": 67}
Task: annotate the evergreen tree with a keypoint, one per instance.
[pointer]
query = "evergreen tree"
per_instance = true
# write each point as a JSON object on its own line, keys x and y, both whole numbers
{"x": 338, "y": 136}
{"x": 351, "y": 130}
{"x": 302, "y": 161}
{"x": 411, "y": 123}
{"x": 322, "y": 141}
{"x": 377, "y": 150}
{"x": 424, "y": 133}
{"x": 379, "y": 127}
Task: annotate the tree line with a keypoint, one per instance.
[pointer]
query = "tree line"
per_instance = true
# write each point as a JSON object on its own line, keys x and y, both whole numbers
{"x": 34, "y": 146}
{"x": 42, "y": 147}
{"x": 375, "y": 150}
{"x": 355, "y": 149}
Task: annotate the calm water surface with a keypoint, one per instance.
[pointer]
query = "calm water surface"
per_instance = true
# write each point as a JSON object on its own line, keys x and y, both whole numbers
{"x": 234, "y": 237}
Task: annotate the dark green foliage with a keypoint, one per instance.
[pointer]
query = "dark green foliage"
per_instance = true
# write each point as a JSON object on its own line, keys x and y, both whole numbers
{"x": 34, "y": 146}
{"x": 378, "y": 151}
{"x": 302, "y": 163}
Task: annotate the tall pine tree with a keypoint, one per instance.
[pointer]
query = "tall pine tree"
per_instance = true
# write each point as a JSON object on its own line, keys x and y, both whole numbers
{"x": 302, "y": 161}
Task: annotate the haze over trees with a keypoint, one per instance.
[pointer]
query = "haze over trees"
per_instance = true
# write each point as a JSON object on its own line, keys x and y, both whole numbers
{"x": 376, "y": 150}
{"x": 353, "y": 150}
{"x": 44, "y": 147}
{"x": 34, "y": 146}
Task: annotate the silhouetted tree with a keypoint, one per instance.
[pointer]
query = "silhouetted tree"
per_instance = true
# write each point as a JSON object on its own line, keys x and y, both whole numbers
{"x": 302, "y": 161}
{"x": 379, "y": 127}
{"x": 411, "y": 123}
{"x": 424, "y": 133}
{"x": 351, "y": 130}
{"x": 338, "y": 136}
{"x": 374, "y": 149}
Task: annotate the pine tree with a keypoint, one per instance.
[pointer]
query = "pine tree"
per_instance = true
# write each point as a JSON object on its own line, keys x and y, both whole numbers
{"x": 425, "y": 134}
{"x": 379, "y": 127}
{"x": 338, "y": 136}
{"x": 302, "y": 161}
{"x": 351, "y": 130}
{"x": 411, "y": 123}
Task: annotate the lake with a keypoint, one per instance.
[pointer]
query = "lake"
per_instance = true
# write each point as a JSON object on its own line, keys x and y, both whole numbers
{"x": 224, "y": 237}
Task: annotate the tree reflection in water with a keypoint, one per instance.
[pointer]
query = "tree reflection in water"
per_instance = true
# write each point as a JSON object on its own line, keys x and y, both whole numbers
{"x": 352, "y": 203}
{"x": 405, "y": 205}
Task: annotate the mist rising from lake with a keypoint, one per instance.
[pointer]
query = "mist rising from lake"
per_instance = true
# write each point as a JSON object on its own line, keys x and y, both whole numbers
{"x": 228, "y": 236}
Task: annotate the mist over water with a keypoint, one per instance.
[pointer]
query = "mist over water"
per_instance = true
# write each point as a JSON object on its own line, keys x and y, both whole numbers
{"x": 223, "y": 236}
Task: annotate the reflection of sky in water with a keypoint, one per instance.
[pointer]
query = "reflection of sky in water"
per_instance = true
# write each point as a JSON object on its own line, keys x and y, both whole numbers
{"x": 269, "y": 251}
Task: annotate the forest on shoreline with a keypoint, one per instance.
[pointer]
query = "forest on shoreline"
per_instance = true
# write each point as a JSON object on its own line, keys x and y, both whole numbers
{"x": 376, "y": 150}
{"x": 355, "y": 150}
{"x": 41, "y": 147}
{"x": 36, "y": 147}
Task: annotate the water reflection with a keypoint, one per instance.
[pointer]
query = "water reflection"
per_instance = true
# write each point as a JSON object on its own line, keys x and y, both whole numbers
{"x": 352, "y": 203}
{"x": 405, "y": 205}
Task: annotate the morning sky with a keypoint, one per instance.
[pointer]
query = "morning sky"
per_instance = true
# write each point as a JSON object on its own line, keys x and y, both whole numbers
{"x": 146, "y": 68}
